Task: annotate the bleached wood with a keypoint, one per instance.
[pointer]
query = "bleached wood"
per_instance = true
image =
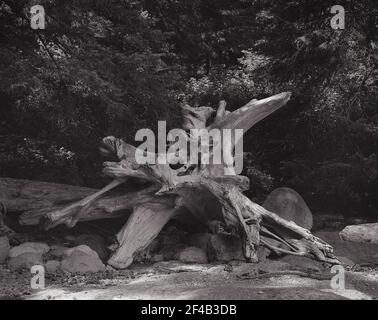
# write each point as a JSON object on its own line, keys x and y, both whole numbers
{"x": 203, "y": 190}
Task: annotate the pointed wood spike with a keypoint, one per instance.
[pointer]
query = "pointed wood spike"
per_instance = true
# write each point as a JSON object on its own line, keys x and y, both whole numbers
{"x": 221, "y": 111}
{"x": 254, "y": 111}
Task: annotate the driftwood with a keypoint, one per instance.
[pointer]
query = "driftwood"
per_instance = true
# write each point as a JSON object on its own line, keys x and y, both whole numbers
{"x": 21, "y": 195}
{"x": 33, "y": 199}
{"x": 203, "y": 190}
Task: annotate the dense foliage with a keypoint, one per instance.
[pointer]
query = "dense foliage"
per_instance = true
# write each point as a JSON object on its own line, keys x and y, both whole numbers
{"x": 110, "y": 67}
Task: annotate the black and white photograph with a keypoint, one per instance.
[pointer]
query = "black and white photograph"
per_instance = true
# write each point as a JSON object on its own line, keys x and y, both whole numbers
{"x": 190, "y": 155}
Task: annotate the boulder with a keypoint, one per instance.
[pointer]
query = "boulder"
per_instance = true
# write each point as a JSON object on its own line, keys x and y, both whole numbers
{"x": 82, "y": 249}
{"x": 192, "y": 255}
{"x": 37, "y": 248}
{"x": 82, "y": 259}
{"x": 288, "y": 204}
{"x": 25, "y": 260}
{"x": 4, "y": 248}
{"x": 361, "y": 233}
{"x": 52, "y": 266}
{"x": 224, "y": 248}
{"x": 96, "y": 243}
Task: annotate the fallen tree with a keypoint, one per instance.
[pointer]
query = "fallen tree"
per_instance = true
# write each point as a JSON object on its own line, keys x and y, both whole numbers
{"x": 203, "y": 190}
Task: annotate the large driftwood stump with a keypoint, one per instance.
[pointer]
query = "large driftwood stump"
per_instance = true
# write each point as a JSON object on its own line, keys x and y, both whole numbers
{"x": 203, "y": 190}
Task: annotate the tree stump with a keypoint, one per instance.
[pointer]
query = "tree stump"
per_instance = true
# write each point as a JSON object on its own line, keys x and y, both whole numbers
{"x": 202, "y": 189}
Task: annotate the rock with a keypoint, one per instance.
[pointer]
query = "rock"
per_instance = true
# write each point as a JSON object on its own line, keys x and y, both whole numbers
{"x": 4, "y": 248}
{"x": 82, "y": 259}
{"x": 58, "y": 251}
{"x": 288, "y": 204}
{"x": 84, "y": 249}
{"x": 224, "y": 248}
{"x": 96, "y": 243}
{"x": 25, "y": 260}
{"x": 199, "y": 240}
{"x": 52, "y": 266}
{"x": 361, "y": 233}
{"x": 192, "y": 255}
{"x": 37, "y": 248}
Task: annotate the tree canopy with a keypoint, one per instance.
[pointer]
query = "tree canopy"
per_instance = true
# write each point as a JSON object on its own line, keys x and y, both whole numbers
{"x": 111, "y": 67}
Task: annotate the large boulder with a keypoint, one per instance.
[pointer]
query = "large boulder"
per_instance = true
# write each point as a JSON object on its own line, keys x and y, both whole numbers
{"x": 361, "y": 233}
{"x": 25, "y": 260}
{"x": 4, "y": 248}
{"x": 82, "y": 259}
{"x": 96, "y": 243}
{"x": 192, "y": 255}
{"x": 224, "y": 248}
{"x": 37, "y": 248}
{"x": 288, "y": 204}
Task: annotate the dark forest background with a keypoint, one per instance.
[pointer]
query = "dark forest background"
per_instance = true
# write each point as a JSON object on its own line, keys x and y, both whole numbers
{"x": 111, "y": 67}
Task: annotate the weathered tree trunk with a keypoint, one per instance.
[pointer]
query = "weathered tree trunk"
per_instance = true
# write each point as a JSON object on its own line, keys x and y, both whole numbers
{"x": 203, "y": 189}
{"x": 20, "y": 195}
{"x": 101, "y": 208}
{"x": 34, "y": 199}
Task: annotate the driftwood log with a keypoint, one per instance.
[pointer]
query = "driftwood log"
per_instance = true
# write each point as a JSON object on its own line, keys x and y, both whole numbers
{"x": 202, "y": 190}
